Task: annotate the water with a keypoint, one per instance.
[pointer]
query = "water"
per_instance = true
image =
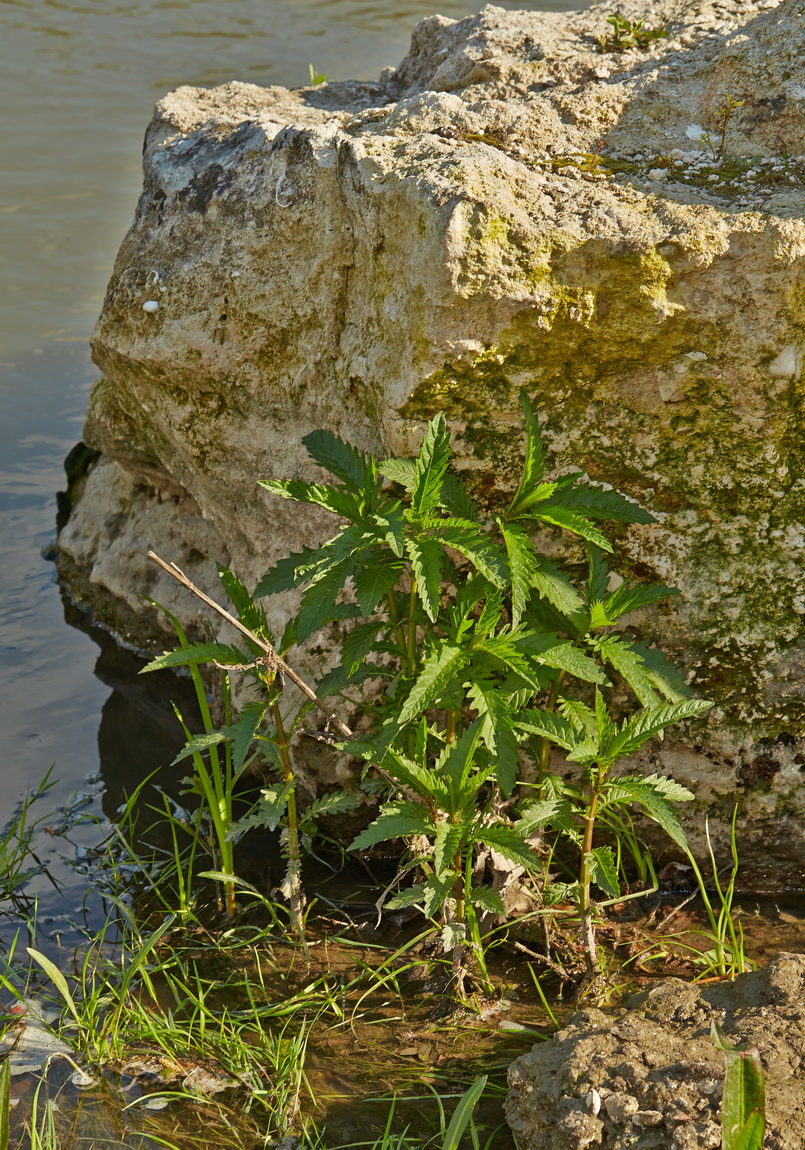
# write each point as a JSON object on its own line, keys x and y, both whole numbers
{"x": 79, "y": 79}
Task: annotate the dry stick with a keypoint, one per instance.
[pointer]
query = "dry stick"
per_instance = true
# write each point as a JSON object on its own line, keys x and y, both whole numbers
{"x": 276, "y": 660}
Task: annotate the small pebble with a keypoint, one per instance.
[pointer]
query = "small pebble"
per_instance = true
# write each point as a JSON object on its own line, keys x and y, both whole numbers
{"x": 151, "y": 305}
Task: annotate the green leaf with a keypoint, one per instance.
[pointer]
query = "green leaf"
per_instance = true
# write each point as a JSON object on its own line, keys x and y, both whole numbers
{"x": 436, "y": 891}
{"x": 570, "y": 520}
{"x": 357, "y": 644}
{"x": 396, "y": 821}
{"x": 664, "y": 674}
{"x": 603, "y": 872}
{"x": 431, "y": 464}
{"x": 487, "y": 899}
{"x": 390, "y": 527}
{"x": 440, "y": 666}
{"x": 408, "y": 897}
{"x": 243, "y": 731}
{"x": 456, "y": 499}
{"x": 199, "y": 653}
{"x": 743, "y": 1105}
{"x": 672, "y": 790}
{"x": 267, "y": 812}
{"x": 597, "y": 574}
{"x": 337, "y": 680}
{"x": 426, "y": 558}
{"x": 474, "y": 544}
{"x": 602, "y": 503}
{"x": 497, "y": 732}
{"x": 548, "y": 725}
{"x": 333, "y": 499}
{"x": 508, "y": 842}
{"x": 561, "y": 655}
{"x": 628, "y": 663}
{"x": 462, "y": 1115}
{"x": 645, "y": 724}
{"x": 249, "y": 613}
{"x": 319, "y": 601}
{"x": 456, "y": 762}
{"x": 5, "y": 1103}
{"x": 555, "y": 812}
{"x": 285, "y": 574}
{"x": 447, "y": 841}
{"x": 653, "y": 802}
{"x": 58, "y": 980}
{"x": 522, "y": 565}
{"x": 580, "y": 715}
{"x": 340, "y": 459}
{"x": 631, "y": 596}
{"x": 534, "y": 462}
{"x": 402, "y": 471}
{"x": 334, "y": 803}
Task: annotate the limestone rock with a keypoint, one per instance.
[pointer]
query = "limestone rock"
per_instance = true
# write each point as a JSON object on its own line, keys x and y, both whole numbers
{"x": 656, "y": 1072}
{"x": 509, "y": 207}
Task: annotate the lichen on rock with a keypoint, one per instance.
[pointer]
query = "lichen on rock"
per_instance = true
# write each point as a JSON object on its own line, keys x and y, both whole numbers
{"x": 508, "y": 208}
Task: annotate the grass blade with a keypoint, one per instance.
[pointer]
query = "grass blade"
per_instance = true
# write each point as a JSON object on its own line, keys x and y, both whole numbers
{"x": 463, "y": 1114}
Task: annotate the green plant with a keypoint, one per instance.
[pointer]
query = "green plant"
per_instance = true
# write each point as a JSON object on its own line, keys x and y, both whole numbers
{"x": 258, "y": 737}
{"x": 724, "y": 113}
{"x": 18, "y": 860}
{"x": 467, "y": 625}
{"x": 743, "y": 1107}
{"x": 316, "y": 77}
{"x": 727, "y": 957}
{"x": 626, "y": 35}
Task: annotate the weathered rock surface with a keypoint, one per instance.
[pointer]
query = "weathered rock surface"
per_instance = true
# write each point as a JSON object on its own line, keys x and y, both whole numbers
{"x": 651, "y": 1079}
{"x": 360, "y": 256}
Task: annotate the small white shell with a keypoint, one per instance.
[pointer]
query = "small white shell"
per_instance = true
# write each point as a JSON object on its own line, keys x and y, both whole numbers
{"x": 151, "y": 305}
{"x": 593, "y": 1100}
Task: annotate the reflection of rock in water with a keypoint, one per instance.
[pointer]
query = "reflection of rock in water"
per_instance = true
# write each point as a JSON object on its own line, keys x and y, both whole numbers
{"x": 139, "y": 734}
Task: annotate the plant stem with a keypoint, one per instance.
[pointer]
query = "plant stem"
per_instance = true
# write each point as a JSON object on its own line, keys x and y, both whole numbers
{"x": 587, "y": 929}
{"x": 411, "y": 646}
{"x": 296, "y": 895}
{"x": 397, "y": 623}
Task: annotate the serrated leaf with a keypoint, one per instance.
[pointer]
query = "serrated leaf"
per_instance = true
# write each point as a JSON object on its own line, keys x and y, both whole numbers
{"x": 597, "y": 574}
{"x": 267, "y": 812}
{"x": 339, "y": 458}
{"x": 580, "y": 715}
{"x": 396, "y": 821}
{"x": 431, "y": 464}
{"x": 561, "y": 655}
{"x": 390, "y": 528}
{"x": 548, "y": 725}
{"x": 408, "y": 897}
{"x": 334, "y": 803}
{"x": 285, "y": 575}
{"x": 522, "y": 567}
{"x": 534, "y": 462}
{"x": 357, "y": 644}
{"x": 556, "y": 813}
{"x": 334, "y": 499}
{"x": 672, "y": 790}
{"x": 437, "y": 670}
{"x": 318, "y": 605}
{"x": 631, "y": 596}
{"x": 653, "y": 801}
{"x": 628, "y": 663}
{"x": 199, "y": 653}
{"x": 402, "y": 471}
{"x": 497, "y": 732}
{"x": 436, "y": 891}
{"x": 446, "y": 842}
{"x": 474, "y": 544}
{"x": 248, "y": 612}
{"x": 337, "y": 680}
{"x": 456, "y": 499}
{"x": 603, "y": 872}
{"x": 487, "y": 899}
{"x": 198, "y": 744}
{"x": 243, "y": 731}
{"x": 456, "y": 761}
{"x": 645, "y": 724}
{"x": 426, "y": 557}
{"x": 508, "y": 842}
{"x": 602, "y": 503}
{"x": 453, "y": 934}
{"x": 569, "y": 520}
{"x": 665, "y": 675}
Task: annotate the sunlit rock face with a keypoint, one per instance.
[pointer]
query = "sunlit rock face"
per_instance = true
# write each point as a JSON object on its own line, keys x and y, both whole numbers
{"x": 620, "y": 233}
